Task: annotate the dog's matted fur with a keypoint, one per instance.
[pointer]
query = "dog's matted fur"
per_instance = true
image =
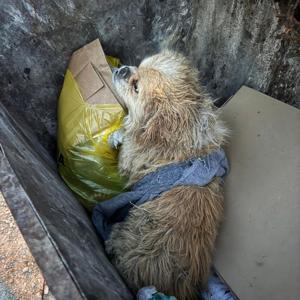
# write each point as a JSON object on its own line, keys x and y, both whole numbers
{"x": 167, "y": 242}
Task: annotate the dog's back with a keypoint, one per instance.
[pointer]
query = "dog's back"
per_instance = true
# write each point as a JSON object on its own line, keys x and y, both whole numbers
{"x": 169, "y": 242}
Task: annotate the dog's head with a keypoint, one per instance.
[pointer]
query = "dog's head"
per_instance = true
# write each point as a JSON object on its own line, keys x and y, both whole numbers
{"x": 164, "y": 100}
{"x": 167, "y": 108}
{"x": 160, "y": 80}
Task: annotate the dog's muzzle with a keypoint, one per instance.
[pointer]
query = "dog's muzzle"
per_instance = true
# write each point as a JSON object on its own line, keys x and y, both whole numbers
{"x": 118, "y": 75}
{"x": 122, "y": 73}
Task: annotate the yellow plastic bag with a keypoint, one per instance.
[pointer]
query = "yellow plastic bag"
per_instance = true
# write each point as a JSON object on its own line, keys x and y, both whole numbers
{"x": 86, "y": 162}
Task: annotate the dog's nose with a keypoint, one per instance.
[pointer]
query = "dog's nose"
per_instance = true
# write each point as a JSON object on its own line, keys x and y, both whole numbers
{"x": 124, "y": 72}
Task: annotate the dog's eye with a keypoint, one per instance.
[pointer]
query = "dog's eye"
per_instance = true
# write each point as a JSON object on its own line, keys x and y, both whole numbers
{"x": 135, "y": 86}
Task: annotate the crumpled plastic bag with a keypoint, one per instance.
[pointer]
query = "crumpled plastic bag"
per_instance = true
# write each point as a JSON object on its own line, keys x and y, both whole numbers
{"x": 88, "y": 114}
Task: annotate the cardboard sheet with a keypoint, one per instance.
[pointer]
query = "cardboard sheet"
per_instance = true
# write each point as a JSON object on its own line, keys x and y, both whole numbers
{"x": 92, "y": 74}
{"x": 258, "y": 251}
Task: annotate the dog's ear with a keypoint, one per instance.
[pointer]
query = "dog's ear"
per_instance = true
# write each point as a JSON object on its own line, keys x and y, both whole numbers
{"x": 162, "y": 124}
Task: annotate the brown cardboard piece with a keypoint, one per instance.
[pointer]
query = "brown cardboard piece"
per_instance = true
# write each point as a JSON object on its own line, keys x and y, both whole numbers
{"x": 258, "y": 251}
{"x": 92, "y": 73}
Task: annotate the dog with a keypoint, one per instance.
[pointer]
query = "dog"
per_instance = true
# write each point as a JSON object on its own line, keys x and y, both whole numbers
{"x": 168, "y": 242}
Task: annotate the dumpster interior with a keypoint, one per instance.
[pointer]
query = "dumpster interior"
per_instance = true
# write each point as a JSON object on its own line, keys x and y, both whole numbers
{"x": 232, "y": 43}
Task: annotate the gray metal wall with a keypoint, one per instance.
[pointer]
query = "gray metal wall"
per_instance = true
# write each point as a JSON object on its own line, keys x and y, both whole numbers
{"x": 231, "y": 42}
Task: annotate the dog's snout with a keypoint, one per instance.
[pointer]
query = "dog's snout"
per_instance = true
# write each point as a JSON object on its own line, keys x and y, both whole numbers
{"x": 124, "y": 72}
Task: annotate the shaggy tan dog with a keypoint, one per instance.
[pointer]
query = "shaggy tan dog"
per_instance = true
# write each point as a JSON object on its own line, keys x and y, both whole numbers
{"x": 167, "y": 242}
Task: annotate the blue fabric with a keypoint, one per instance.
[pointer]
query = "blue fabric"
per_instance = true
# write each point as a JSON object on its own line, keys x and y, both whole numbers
{"x": 196, "y": 171}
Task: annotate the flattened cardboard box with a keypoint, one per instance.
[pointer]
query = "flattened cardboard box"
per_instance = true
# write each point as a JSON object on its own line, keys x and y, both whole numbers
{"x": 93, "y": 74}
{"x": 258, "y": 251}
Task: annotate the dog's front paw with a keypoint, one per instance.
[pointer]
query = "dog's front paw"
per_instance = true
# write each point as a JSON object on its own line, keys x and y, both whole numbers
{"x": 115, "y": 139}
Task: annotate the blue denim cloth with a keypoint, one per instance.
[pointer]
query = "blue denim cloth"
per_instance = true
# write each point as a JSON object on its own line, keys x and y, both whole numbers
{"x": 196, "y": 171}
